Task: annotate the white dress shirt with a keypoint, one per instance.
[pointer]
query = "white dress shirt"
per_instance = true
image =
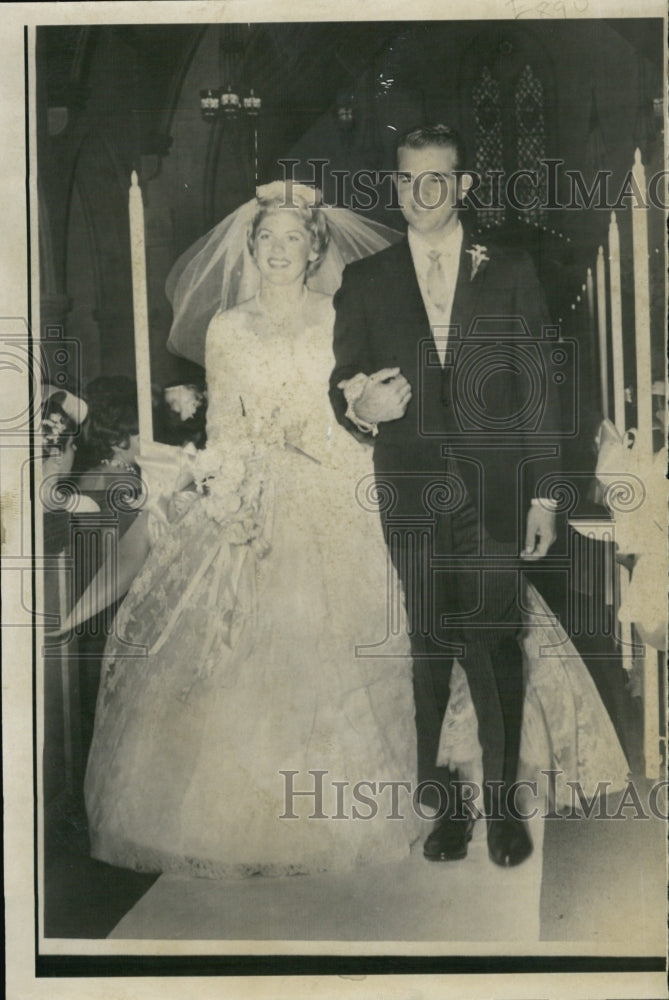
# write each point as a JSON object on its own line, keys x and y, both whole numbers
{"x": 449, "y": 258}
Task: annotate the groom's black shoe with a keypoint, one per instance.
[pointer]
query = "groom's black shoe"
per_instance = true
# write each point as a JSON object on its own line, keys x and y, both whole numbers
{"x": 449, "y": 839}
{"x": 509, "y": 842}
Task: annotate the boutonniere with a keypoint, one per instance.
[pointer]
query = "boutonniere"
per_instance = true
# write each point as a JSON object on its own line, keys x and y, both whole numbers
{"x": 479, "y": 255}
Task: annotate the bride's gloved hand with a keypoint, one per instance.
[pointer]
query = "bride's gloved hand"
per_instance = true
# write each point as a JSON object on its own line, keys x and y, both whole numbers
{"x": 377, "y": 398}
{"x": 385, "y": 397}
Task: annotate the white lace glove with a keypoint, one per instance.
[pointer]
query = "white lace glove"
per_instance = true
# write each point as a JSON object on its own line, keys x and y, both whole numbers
{"x": 353, "y": 389}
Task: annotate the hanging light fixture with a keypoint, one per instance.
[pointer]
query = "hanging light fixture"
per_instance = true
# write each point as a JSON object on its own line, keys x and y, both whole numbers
{"x": 252, "y": 105}
{"x": 210, "y": 102}
{"x": 225, "y": 102}
{"x": 345, "y": 110}
{"x": 230, "y": 103}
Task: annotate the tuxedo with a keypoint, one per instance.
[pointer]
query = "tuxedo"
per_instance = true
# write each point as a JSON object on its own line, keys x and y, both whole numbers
{"x": 457, "y": 472}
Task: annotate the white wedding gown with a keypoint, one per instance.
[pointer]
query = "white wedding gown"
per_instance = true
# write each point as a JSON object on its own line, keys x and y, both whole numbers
{"x": 566, "y": 728}
{"x": 265, "y": 634}
{"x": 256, "y": 605}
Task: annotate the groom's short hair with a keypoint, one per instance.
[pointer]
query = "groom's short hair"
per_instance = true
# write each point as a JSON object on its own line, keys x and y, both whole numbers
{"x": 434, "y": 135}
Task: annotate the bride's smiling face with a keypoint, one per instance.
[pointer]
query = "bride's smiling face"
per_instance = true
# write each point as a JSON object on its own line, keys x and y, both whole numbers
{"x": 283, "y": 248}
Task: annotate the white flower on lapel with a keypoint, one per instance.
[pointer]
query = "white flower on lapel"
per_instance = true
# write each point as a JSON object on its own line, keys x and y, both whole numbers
{"x": 479, "y": 255}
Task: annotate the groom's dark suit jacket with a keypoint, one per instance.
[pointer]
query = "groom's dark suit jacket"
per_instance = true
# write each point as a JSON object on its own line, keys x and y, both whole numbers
{"x": 493, "y": 405}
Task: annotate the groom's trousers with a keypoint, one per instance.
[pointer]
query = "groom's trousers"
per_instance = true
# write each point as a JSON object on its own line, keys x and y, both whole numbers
{"x": 463, "y": 596}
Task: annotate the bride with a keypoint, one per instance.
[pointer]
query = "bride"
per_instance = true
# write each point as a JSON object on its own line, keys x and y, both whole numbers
{"x": 239, "y": 676}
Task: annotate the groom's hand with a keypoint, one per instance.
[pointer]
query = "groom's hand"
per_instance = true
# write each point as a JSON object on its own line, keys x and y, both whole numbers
{"x": 385, "y": 397}
{"x": 540, "y": 532}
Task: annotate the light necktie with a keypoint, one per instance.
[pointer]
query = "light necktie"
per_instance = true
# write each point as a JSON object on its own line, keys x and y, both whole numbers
{"x": 436, "y": 281}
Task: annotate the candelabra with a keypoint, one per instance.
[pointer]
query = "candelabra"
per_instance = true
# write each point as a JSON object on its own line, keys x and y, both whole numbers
{"x": 225, "y": 105}
{"x": 225, "y": 102}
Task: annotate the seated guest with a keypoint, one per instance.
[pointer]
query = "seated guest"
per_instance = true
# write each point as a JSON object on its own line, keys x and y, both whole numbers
{"x": 108, "y": 472}
{"x": 62, "y": 416}
{"x": 106, "y": 463}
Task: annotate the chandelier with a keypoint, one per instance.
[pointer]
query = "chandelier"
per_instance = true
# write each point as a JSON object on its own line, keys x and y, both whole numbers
{"x": 229, "y": 104}
{"x": 216, "y": 103}
{"x": 226, "y": 103}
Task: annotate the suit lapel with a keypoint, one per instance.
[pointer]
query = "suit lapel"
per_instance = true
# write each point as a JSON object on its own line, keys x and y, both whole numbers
{"x": 406, "y": 294}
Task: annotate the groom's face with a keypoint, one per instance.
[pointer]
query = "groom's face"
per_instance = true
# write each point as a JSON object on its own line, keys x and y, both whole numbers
{"x": 427, "y": 189}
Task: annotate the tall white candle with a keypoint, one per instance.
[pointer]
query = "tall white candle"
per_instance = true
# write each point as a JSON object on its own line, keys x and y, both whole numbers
{"x": 642, "y": 309}
{"x": 140, "y": 313}
{"x": 616, "y": 326}
{"x": 586, "y": 303}
{"x": 601, "y": 328}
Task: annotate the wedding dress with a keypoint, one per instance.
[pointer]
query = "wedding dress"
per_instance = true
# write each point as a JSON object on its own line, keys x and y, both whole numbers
{"x": 567, "y": 735}
{"x": 262, "y": 642}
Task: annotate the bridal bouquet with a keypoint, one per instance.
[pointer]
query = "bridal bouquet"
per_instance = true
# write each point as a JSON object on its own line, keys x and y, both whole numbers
{"x": 232, "y": 490}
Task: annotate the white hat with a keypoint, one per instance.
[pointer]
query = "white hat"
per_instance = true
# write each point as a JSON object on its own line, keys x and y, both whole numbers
{"x": 75, "y": 407}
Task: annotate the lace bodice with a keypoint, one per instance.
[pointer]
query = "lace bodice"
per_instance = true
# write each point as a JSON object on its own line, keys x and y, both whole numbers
{"x": 268, "y": 382}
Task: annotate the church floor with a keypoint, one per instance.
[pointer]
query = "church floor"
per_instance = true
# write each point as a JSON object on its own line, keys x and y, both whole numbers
{"x": 605, "y": 880}
{"x": 83, "y": 898}
{"x": 413, "y": 901}
{"x": 591, "y": 881}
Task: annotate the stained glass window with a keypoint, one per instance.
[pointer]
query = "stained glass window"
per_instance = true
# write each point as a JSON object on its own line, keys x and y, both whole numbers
{"x": 489, "y": 147}
{"x": 530, "y": 143}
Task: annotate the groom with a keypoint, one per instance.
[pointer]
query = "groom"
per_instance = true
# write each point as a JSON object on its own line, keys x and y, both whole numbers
{"x": 440, "y": 356}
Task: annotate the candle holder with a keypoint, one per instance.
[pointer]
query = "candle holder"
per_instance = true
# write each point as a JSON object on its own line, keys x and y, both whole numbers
{"x": 252, "y": 105}
{"x": 345, "y": 111}
{"x": 230, "y": 103}
{"x": 219, "y": 102}
{"x": 210, "y": 102}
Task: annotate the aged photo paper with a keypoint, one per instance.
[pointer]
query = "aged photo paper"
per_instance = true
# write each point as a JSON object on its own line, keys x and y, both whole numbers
{"x": 333, "y": 499}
